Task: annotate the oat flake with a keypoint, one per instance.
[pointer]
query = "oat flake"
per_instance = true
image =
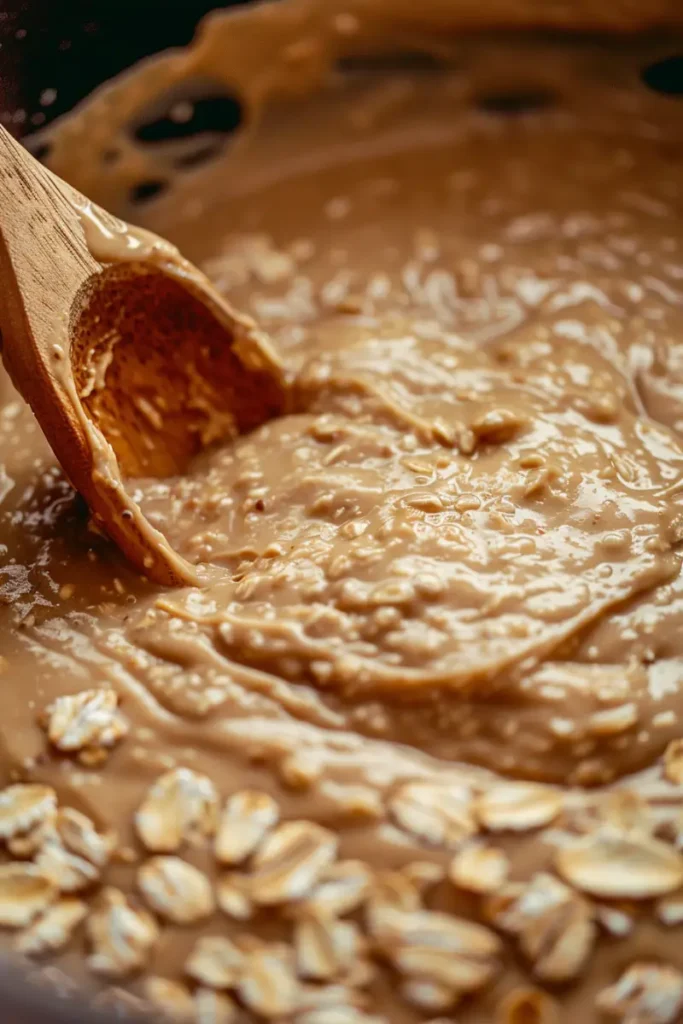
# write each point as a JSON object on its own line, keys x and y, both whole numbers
{"x": 428, "y": 995}
{"x": 554, "y": 925}
{"x": 339, "y": 1015}
{"x": 215, "y": 962}
{"x": 290, "y": 862}
{"x": 213, "y": 1007}
{"x": 437, "y": 814}
{"x": 437, "y": 947}
{"x": 339, "y": 996}
{"x": 478, "y": 868}
{"x": 325, "y": 947}
{"x": 626, "y": 811}
{"x": 614, "y": 865}
{"x": 268, "y": 986}
{"x": 79, "y": 835}
{"x": 170, "y": 997}
{"x": 247, "y": 818}
{"x": 233, "y": 897}
{"x": 24, "y": 806}
{"x": 85, "y": 721}
{"x": 28, "y": 844}
{"x": 342, "y": 888}
{"x": 176, "y": 890}
{"x": 644, "y": 994}
{"x": 181, "y": 806}
{"x": 52, "y": 931}
{"x": 518, "y": 807}
{"x": 390, "y": 890}
{"x": 424, "y": 874}
{"x": 121, "y": 937}
{"x": 24, "y": 894}
{"x": 66, "y": 870}
{"x": 615, "y": 922}
{"x": 670, "y": 909}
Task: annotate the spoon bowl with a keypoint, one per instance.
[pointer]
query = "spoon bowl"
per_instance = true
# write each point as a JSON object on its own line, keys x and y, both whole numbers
{"x": 154, "y": 373}
{"x": 129, "y": 358}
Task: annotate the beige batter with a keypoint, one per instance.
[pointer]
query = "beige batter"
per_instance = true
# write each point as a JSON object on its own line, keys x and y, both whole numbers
{"x": 441, "y": 622}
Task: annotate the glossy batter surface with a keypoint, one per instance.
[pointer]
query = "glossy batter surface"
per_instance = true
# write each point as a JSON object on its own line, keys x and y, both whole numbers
{"x": 441, "y": 625}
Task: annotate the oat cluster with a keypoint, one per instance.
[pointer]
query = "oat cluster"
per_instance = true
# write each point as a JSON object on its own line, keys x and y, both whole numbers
{"x": 336, "y": 924}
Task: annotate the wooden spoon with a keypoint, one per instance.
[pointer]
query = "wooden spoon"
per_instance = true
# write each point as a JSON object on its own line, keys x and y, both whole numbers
{"x": 127, "y": 355}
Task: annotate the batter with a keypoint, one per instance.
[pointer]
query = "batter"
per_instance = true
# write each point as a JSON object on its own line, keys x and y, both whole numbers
{"x": 413, "y": 751}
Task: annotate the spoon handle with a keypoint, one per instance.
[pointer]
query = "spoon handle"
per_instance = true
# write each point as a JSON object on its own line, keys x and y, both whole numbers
{"x": 44, "y": 271}
{"x": 42, "y": 266}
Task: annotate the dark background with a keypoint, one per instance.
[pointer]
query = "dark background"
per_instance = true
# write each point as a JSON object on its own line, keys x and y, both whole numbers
{"x": 53, "y": 53}
{"x": 71, "y": 46}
